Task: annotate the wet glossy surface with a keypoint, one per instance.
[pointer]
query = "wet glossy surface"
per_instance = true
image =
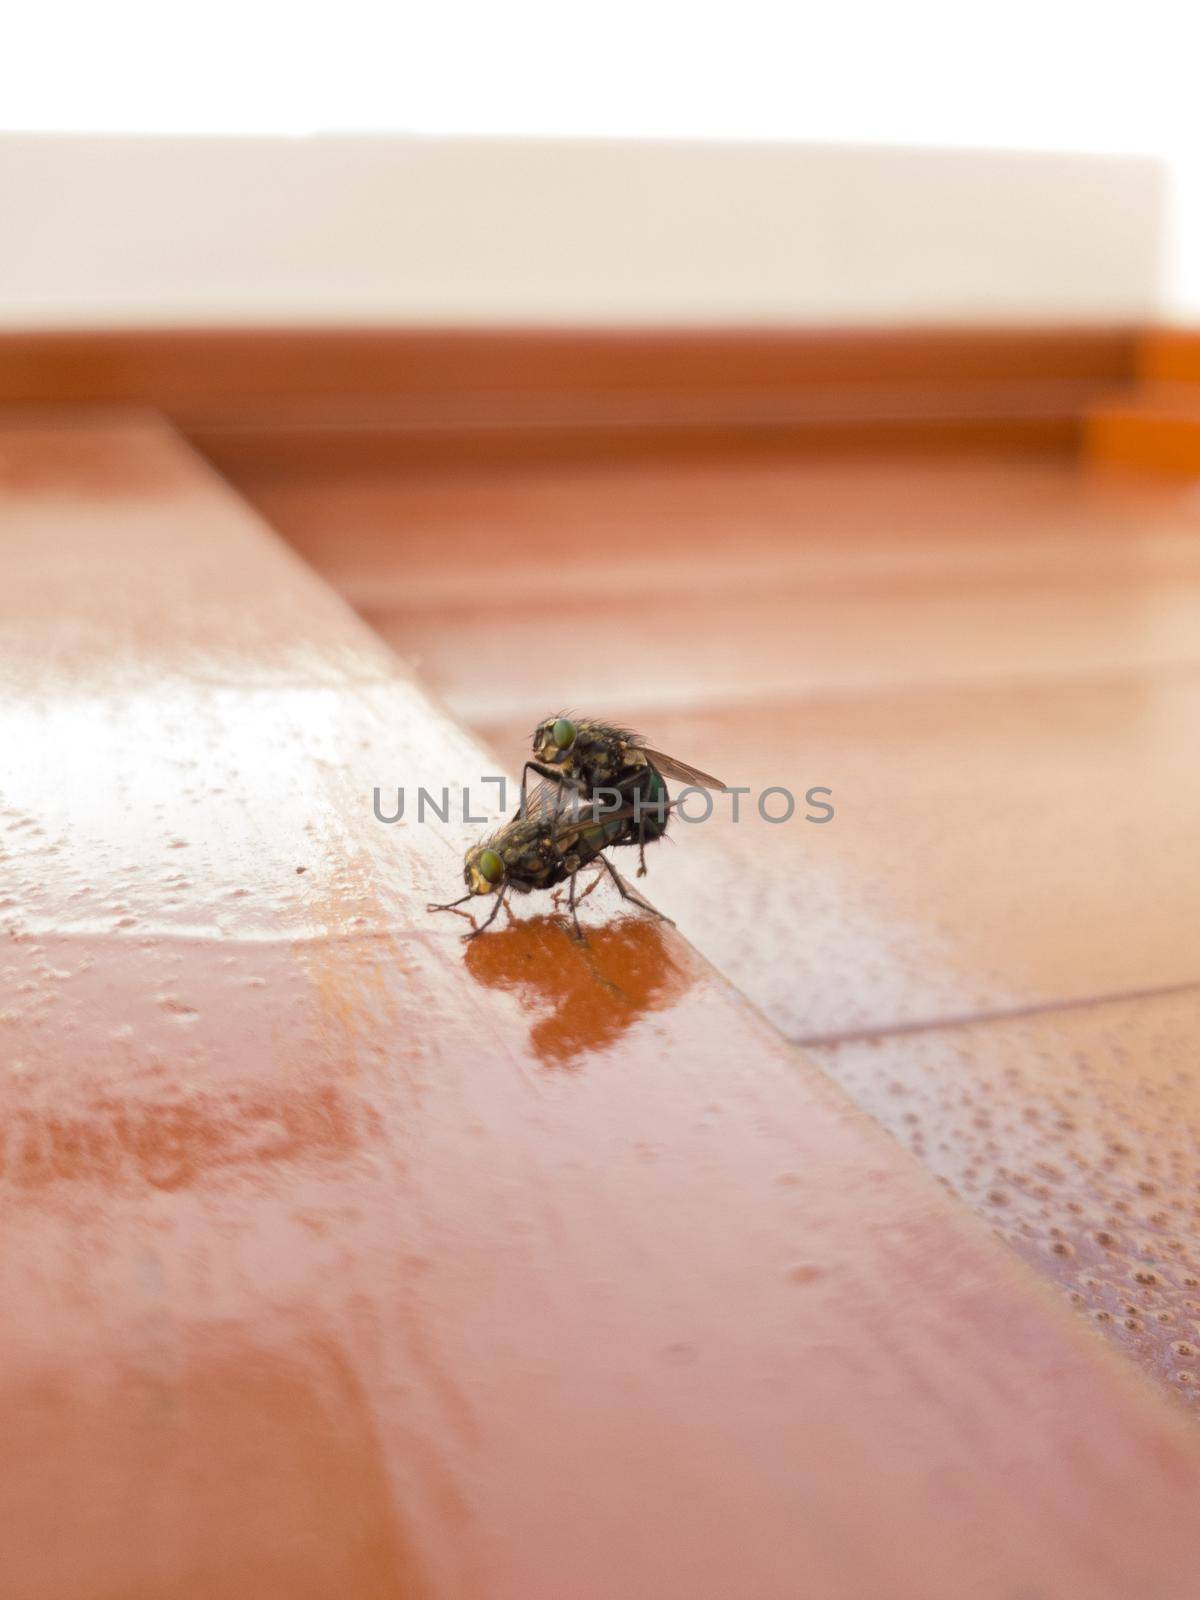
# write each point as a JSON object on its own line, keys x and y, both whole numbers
{"x": 1075, "y": 1132}
{"x": 989, "y": 850}
{"x": 996, "y": 669}
{"x": 340, "y": 1260}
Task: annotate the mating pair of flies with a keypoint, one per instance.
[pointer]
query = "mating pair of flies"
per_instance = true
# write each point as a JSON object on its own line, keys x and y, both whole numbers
{"x": 602, "y": 787}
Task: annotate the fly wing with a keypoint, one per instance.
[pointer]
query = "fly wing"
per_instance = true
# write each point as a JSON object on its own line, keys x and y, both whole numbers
{"x": 670, "y": 768}
{"x": 546, "y": 799}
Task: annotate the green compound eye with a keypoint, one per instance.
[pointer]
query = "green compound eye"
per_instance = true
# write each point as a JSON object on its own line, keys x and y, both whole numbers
{"x": 491, "y": 866}
{"x": 564, "y": 733}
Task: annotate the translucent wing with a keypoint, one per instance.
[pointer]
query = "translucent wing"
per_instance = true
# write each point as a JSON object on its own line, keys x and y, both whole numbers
{"x": 546, "y": 799}
{"x": 670, "y": 768}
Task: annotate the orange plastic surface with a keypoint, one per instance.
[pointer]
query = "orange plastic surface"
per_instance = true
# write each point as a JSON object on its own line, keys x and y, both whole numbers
{"x": 1156, "y": 426}
{"x": 1155, "y": 429}
{"x": 996, "y": 669}
{"x": 1169, "y": 355}
{"x": 340, "y": 1261}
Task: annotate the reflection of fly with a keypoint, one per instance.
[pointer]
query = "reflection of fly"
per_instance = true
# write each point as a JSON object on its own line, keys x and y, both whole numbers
{"x": 542, "y": 850}
{"x": 590, "y": 757}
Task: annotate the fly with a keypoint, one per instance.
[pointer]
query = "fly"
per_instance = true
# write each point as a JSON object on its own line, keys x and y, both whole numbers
{"x": 590, "y": 757}
{"x": 541, "y": 851}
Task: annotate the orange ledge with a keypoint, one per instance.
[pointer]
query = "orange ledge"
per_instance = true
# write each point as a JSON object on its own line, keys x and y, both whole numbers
{"x": 370, "y": 398}
{"x": 1155, "y": 426}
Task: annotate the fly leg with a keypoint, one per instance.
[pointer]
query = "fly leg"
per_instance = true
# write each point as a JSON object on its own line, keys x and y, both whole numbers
{"x": 555, "y": 776}
{"x": 453, "y": 906}
{"x": 574, "y": 913}
{"x": 641, "y": 836}
{"x": 580, "y": 898}
{"x": 475, "y": 932}
{"x": 640, "y": 819}
{"x": 598, "y": 879}
{"x": 628, "y": 892}
{"x": 525, "y": 771}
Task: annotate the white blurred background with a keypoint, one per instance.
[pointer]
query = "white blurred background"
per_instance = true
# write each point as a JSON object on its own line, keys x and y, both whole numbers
{"x": 1031, "y": 75}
